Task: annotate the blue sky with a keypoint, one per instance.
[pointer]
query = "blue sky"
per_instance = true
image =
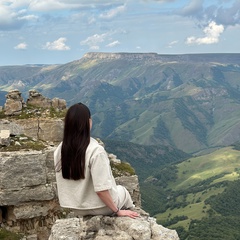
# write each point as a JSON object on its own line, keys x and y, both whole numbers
{"x": 60, "y": 31}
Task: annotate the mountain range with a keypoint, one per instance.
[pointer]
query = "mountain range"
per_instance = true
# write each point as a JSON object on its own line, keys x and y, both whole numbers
{"x": 190, "y": 102}
{"x": 172, "y": 117}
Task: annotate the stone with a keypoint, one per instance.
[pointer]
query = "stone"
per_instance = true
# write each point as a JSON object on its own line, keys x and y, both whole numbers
{"x": 46, "y": 129}
{"x": 14, "y": 103}
{"x": 59, "y": 104}
{"x": 25, "y": 169}
{"x": 132, "y": 185}
{"x": 113, "y": 158}
{"x": 32, "y": 177}
{"x": 21, "y": 195}
{"x": 36, "y": 99}
{"x": 4, "y": 138}
{"x": 30, "y": 210}
{"x": 112, "y": 228}
{"x": 71, "y": 230}
{"x": 13, "y": 127}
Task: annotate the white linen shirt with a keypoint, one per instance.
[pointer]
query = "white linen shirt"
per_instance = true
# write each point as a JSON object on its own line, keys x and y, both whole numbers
{"x": 81, "y": 194}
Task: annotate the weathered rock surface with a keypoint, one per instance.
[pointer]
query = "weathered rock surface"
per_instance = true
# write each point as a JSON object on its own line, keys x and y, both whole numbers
{"x": 36, "y": 99}
{"x": 110, "y": 228}
{"x": 46, "y": 129}
{"x": 28, "y": 200}
{"x": 28, "y": 196}
{"x": 4, "y": 137}
{"x": 14, "y": 103}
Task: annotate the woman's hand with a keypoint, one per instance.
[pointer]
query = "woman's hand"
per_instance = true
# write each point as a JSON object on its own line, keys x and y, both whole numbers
{"x": 127, "y": 213}
{"x": 107, "y": 199}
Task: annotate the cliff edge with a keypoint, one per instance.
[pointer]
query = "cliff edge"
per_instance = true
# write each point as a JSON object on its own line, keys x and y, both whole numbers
{"x": 28, "y": 196}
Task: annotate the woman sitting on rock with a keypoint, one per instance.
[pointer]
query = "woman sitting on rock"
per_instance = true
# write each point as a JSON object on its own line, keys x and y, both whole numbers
{"x": 84, "y": 178}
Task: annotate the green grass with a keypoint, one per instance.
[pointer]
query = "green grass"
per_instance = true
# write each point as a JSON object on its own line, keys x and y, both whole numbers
{"x": 27, "y": 144}
{"x": 199, "y": 178}
{"x": 7, "y": 235}
{"x": 121, "y": 169}
{"x": 30, "y": 112}
{"x": 197, "y": 209}
{"x": 223, "y": 161}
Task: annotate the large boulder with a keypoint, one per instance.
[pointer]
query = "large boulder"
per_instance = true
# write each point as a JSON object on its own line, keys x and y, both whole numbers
{"x": 36, "y": 99}
{"x": 14, "y": 103}
{"x": 45, "y": 129}
{"x": 110, "y": 228}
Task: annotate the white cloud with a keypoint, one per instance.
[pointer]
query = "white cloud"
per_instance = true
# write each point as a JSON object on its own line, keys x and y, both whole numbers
{"x": 171, "y": 44}
{"x": 13, "y": 18}
{"x": 6, "y": 15}
{"x": 28, "y": 17}
{"x": 52, "y": 5}
{"x": 212, "y": 34}
{"x": 192, "y": 9}
{"x": 18, "y": 3}
{"x": 113, "y": 12}
{"x": 58, "y": 45}
{"x": 21, "y": 46}
{"x": 49, "y": 5}
{"x": 94, "y": 40}
{"x": 94, "y": 47}
{"x": 113, "y": 44}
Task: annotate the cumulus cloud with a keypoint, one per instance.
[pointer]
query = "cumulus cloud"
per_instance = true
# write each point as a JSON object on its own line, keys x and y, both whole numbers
{"x": 94, "y": 40}
{"x": 113, "y": 12}
{"x": 21, "y": 46}
{"x": 113, "y": 44}
{"x": 58, "y": 45}
{"x": 11, "y": 18}
{"x": 227, "y": 16}
{"x": 212, "y": 34}
{"x": 221, "y": 13}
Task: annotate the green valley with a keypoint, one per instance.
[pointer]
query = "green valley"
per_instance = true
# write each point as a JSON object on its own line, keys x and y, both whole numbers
{"x": 187, "y": 193}
{"x": 205, "y": 187}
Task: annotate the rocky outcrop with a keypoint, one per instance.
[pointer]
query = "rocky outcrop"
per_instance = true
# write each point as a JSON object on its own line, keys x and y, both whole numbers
{"x": 36, "y": 99}
{"x": 4, "y": 137}
{"x": 45, "y": 129}
{"x": 28, "y": 196}
{"x": 110, "y": 228}
{"x": 28, "y": 201}
{"x": 15, "y": 103}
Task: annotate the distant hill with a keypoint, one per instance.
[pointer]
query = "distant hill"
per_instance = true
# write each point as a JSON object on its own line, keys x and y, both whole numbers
{"x": 190, "y": 102}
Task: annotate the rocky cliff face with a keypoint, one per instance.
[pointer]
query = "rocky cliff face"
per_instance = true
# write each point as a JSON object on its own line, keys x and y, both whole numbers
{"x": 151, "y": 57}
{"x": 28, "y": 196}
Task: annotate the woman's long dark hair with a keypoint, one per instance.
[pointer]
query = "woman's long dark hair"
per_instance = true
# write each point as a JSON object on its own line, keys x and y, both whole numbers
{"x": 76, "y": 138}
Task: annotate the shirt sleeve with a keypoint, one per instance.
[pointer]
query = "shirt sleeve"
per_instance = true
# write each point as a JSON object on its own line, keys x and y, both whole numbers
{"x": 101, "y": 172}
